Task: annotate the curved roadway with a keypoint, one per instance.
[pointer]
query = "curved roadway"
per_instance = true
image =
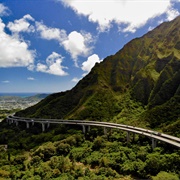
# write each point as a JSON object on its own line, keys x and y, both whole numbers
{"x": 149, "y": 133}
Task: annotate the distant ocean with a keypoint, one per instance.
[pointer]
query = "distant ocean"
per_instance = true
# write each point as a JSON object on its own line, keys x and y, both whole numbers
{"x": 19, "y": 94}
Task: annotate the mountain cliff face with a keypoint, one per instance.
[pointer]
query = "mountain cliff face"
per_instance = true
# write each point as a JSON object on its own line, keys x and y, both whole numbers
{"x": 138, "y": 85}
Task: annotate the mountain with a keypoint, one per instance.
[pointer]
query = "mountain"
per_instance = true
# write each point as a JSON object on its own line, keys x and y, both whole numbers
{"x": 139, "y": 85}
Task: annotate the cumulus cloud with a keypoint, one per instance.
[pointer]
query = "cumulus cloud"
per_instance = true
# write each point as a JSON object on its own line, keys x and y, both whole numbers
{"x": 133, "y": 14}
{"x": 14, "y": 52}
{"x": 91, "y": 61}
{"x": 21, "y": 25}
{"x": 50, "y": 33}
{"x": 77, "y": 44}
{"x": 3, "y": 10}
{"x": 53, "y": 65}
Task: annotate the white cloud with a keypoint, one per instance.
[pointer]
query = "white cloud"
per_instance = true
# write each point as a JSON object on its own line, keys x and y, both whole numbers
{"x": 3, "y": 10}
{"x": 6, "y": 81}
{"x": 75, "y": 79}
{"x": 30, "y": 79}
{"x": 150, "y": 28}
{"x": 77, "y": 44}
{"x": 53, "y": 65}
{"x": 14, "y": 52}
{"x": 91, "y": 61}
{"x": 21, "y": 25}
{"x": 50, "y": 33}
{"x": 171, "y": 14}
{"x": 133, "y": 14}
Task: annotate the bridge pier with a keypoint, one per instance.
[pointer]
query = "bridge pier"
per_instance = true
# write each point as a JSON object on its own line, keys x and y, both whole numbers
{"x": 17, "y": 123}
{"x": 134, "y": 137}
{"x": 27, "y": 125}
{"x": 154, "y": 143}
{"x": 110, "y": 132}
{"x": 84, "y": 129}
{"x": 48, "y": 125}
{"x": 105, "y": 131}
{"x": 10, "y": 121}
{"x": 43, "y": 127}
{"x": 128, "y": 136}
{"x": 89, "y": 128}
{"x": 7, "y": 120}
{"x": 32, "y": 122}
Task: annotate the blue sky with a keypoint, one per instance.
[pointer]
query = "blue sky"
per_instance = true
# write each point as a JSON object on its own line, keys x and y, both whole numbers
{"x": 49, "y": 45}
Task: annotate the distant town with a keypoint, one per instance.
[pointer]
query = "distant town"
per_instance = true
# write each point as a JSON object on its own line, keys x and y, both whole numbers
{"x": 12, "y": 104}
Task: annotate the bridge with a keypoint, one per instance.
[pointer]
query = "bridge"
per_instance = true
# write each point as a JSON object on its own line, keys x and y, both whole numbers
{"x": 153, "y": 135}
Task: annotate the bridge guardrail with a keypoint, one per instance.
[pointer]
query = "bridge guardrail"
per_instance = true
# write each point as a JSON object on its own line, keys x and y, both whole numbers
{"x": 149, "y": 133}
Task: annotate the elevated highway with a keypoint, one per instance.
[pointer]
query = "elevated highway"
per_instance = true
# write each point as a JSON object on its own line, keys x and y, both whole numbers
{"x": 154, "y": 135}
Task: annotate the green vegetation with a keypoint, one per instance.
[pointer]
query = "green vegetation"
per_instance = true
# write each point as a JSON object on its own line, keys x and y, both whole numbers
{"x": 139, "y": 85}
{"x": 65, "y": 153}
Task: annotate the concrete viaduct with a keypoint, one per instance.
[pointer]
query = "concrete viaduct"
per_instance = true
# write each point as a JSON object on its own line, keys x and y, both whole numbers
{"x": 153, "y": 135}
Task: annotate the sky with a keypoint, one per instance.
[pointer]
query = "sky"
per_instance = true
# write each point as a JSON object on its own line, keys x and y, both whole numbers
{"x": 49, "y": 45}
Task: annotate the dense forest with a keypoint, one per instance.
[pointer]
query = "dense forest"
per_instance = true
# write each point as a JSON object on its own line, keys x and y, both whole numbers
{"x": 64, "y": 152}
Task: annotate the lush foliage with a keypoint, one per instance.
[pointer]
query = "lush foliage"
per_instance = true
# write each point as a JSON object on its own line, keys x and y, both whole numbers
{"x": 66, "y": 153}
{"x": 139, "y": 85}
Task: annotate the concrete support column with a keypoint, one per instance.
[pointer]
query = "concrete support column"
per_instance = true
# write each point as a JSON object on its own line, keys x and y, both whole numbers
{"x": 105, "y": 131}
{"x": 110, "y": 132}
{"x": 32, "y": 122}
{"x": 128, "y": 136}
{"x": 17, "y": 123}
{"x": 134, "y": 136}
{"x": 84, "y": 129}
{"x": 89, "y": 128}
{"x": 154, "y": 142}
{"x": 10, "y": 121}
{"x": 48, "y": 125}
{"x": 43, "y": 127}
{"x": 7, "y": 120}
{"x": 27, "y": 125}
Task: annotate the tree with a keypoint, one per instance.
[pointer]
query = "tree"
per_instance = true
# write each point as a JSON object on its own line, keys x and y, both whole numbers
{"x": 165, "y": 176}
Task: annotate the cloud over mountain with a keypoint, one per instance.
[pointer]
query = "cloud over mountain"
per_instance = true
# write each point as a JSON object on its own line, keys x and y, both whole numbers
{"x": 132, "y": 14}
{"x": 53, "y": 65}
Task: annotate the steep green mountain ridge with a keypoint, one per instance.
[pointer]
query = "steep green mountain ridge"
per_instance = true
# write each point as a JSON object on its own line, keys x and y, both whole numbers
{"x": 138, "y": 85}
